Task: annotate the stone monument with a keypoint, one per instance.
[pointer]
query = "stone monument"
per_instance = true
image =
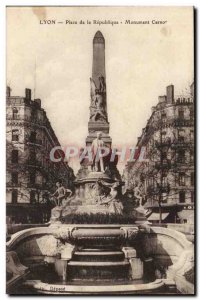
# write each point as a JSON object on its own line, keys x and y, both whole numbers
{"x": 98, "y": 182}
{"x": 98, "y": 97}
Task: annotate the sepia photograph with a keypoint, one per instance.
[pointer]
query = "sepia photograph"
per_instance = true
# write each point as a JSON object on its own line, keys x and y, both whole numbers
{"x": 100, "y": 150}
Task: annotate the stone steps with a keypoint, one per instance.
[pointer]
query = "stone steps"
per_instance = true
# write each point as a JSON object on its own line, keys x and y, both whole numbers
{"x": 98, "y": 256}
{"x": 98, "y": 264}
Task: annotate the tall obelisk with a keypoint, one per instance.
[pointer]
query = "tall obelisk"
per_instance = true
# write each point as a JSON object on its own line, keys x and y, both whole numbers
{"x": 98, "y": 63}
{"x": 98, "y": 101}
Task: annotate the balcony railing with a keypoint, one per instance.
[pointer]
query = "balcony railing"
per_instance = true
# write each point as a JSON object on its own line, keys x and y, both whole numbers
{"x": 164, "y": 143}
{"x": 183, "y": 122}
{"x": 35, "y": 186}
{"x": 24, "y": 118}
{"x": 166, "y": 163}
{"x": 35, "y": 142}
{"x": 172, "y": 121}
{"x": 13, "y": 185}
{"x": 181, "y": 163}
{"x": 156, "y": 190}
{"x": 188, "y": 143}
{"x": 183, "y": 100}
{"x": 33, "y": 163}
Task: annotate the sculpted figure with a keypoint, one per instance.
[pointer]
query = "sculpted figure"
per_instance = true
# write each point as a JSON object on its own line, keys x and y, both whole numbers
{"x": 138, "y": 194}
{"x": 99, "y": 102}
{"x": 112, "y": 200}
{"x": 93, "y": 91}
{"x": 98, "y": 162}
{"x": 102, "y": 84}
{"x": 61, "y": 193}
{"x": 97, "y": 115}
{"x": 97, "y": 110}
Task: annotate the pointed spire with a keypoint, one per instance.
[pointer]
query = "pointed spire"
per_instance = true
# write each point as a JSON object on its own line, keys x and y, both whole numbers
{"x": 99, "y": 38}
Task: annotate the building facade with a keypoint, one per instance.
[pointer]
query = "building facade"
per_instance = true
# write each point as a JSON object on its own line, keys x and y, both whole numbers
{"x": 31, "y": 175}
{"x": 166, "y": 180}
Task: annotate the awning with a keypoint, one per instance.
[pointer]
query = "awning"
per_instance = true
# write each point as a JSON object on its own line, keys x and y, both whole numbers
{"x": 186, "y": 215}
{"x": 156, "y": 216}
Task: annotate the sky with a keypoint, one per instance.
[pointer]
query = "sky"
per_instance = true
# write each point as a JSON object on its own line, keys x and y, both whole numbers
{"x": 55, "y": 61}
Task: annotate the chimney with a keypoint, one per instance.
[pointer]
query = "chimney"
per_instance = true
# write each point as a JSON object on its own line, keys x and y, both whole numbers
{"x": 161, "y": 99}
{"x": 38, "y": 101}
{"x": 170, "y": 93}
{"x": 28, "y": 94}
{"x": 8, "y": 91}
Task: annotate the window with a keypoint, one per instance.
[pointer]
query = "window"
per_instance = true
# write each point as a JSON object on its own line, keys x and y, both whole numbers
{"x": 163, "y": 133}
{"x": 191, "y": 156}
{"x": 192, "y": 178}
{"x": 15, "y": 135}
{"x": 191, "y": 135}
{"x": 32, "y": 156}
{"x": 15, "y": 156}
{"x": 15, "y": 178}
{"x": 33, "y": 114}
{"x": 14, "y": 196}
{"x": 33, "y": 137}
{"x": 32, "y": 177}
{"x": 15, "y": 113}
{"x": 181, "y": 135}
{"x": 164, "y": 180}
{"x": 191, "y": 113}
{"x": 181, "y": 155}
{"x": 192, "y": 197}
{"x": 163, "y": 115}
{"x": 182, "y": 196}
{"x": 181, "y": 139}
{"x": 164, "y": 155}
{"x": 151, "y": 181}
{"x": 181, "y": 179}
{"x": 32, "y": 197}
{"x": 181, "y": 113}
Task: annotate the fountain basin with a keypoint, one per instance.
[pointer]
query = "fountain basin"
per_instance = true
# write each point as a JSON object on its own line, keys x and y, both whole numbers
{"x": 100, "y": 254}
{"x": 131, "y": 288}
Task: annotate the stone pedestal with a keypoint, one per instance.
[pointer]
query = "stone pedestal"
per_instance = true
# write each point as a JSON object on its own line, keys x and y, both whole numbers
{"x": 94, "y": 202}
{"x": 136, "y": 270}
{"x": 149, "y": 270}
{"x": 56, "y": 214}
{"x": 61, "y": 268}
{"x": 61, "y": 265}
